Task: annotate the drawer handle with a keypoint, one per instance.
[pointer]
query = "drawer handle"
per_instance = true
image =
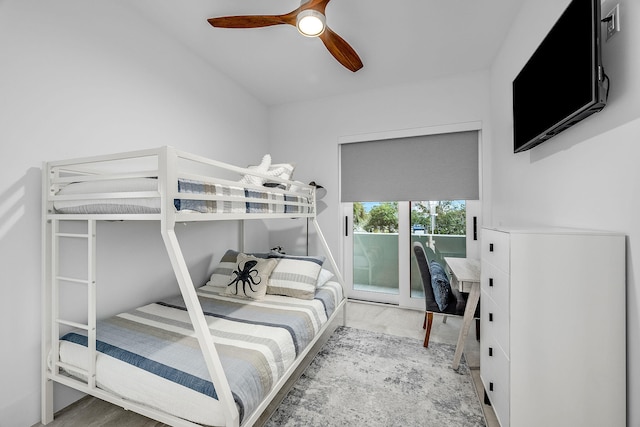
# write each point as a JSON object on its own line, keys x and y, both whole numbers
{"x": 490, "y": 386}
{"x": 490, "y": 247}
{"x": 491, "y": 282}
{"x": 490, "y": 317}
{"x": 491, "y": 351}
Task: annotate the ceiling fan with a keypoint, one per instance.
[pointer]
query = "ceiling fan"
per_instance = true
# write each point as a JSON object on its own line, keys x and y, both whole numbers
{"x": 310, "y": 20}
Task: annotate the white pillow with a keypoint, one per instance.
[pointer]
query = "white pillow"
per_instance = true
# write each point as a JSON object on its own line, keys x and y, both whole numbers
{"x": 222, "y": 273}
{"x": 295, "y": 277}
{"x": 286, "y": 172}
{"x": 100, "y": 206}
{"x": 324, "y": 276}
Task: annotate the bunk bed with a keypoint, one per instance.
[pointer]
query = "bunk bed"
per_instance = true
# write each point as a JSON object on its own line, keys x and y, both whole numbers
{"x": 206, "y": 356}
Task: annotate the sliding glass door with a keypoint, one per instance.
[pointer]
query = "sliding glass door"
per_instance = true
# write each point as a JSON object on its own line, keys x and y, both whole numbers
{"x": 379, "y": 173}
{"x": 372, "y": 251}
{"x": 374, "y": 258}
{"x": 441, "y": 227}
{"x": 379, "y": 261}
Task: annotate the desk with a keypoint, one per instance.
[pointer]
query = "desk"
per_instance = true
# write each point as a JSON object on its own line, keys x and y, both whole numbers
{"x": 465, "y": 275}
{"x": 464, "y": 272}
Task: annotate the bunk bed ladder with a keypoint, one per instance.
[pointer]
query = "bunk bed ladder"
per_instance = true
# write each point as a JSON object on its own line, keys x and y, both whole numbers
{"x": 90, "y": 282}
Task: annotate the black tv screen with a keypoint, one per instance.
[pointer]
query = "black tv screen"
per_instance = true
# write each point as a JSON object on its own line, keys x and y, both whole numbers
{"x": 563, "y": 81}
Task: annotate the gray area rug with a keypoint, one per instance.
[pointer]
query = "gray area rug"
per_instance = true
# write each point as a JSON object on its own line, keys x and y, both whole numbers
{"x": 363, "y": 378}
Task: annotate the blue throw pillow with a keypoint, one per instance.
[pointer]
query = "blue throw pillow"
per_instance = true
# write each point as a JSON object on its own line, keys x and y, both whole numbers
{"x": 440, "y": 285}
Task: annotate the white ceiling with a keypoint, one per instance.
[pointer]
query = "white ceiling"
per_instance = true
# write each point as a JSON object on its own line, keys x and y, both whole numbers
{"x": 399, "y": 42}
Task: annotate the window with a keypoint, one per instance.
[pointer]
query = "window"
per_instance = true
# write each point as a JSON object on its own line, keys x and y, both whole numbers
{"x": 375, "y": 247}
{"x": 378, "y": 238}
{"x": 441, "y": 226}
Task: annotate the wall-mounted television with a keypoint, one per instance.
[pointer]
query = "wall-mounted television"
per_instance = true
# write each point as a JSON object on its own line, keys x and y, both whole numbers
{"x": 564, "y": 81}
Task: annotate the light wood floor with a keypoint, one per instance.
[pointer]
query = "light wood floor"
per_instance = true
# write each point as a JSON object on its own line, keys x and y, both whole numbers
{"x": 91, "y": 412}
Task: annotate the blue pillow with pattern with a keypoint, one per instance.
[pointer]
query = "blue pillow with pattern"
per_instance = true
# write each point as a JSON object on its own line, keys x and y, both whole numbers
{"x": 440, "y": 284}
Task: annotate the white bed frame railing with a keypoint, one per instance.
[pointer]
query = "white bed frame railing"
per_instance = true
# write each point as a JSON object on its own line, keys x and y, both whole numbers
{"x": 167, "y": 165}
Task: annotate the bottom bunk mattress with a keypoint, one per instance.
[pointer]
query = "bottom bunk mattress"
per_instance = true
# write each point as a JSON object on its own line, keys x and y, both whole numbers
{"x": 150, "y": 355}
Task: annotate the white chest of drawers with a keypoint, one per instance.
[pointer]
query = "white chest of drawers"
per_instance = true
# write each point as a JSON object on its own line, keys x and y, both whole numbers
{"x": 553, "y": 341}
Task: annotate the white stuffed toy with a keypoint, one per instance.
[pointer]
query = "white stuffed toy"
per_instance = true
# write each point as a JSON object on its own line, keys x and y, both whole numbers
{"x": 263, "y": 167}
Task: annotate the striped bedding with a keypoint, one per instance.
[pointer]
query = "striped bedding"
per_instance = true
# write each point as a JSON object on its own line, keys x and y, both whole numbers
{"x": 266, "y": 205}
{"x": 257, "y": 340}
{"x": 270, "y": 201}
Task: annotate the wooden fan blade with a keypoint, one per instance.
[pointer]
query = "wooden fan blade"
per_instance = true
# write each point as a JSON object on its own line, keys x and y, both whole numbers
{"x": 341, "y": 50}
{"x": 319, "y": 5}
{"x": 251, "y": 21}
{"x": 255, "y": 21}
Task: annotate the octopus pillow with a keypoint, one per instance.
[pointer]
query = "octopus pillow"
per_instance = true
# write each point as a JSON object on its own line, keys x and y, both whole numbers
{"x": 250, "y": 276}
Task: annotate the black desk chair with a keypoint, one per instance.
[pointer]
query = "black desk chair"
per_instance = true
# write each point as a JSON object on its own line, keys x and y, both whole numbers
{"x": 454, "y": 300}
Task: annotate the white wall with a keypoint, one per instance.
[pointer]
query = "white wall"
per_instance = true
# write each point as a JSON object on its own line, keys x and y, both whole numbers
{"x": 585, "y": 177}
{"x": 83, "y": 78}
{"x": 309, "y": 133}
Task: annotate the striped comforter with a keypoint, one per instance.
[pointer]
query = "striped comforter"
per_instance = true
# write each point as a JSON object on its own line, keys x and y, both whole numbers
{"x": 270, "y": 202}
{"x": 240, "y": 199}
{"x": 256, "y": 340}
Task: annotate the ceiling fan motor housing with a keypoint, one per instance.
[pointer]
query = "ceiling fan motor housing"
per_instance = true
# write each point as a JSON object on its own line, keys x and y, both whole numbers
{"x": 310, "y": 23}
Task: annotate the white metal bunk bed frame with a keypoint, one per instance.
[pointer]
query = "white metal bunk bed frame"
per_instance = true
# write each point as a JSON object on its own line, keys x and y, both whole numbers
{"x": 167, "y": 174}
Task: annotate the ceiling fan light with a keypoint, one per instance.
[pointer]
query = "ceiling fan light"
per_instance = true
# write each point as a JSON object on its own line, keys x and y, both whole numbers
{"x": 310, "y": 23}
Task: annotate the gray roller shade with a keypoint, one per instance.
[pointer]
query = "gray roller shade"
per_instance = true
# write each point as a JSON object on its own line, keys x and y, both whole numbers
{"x": 430, "y": 167}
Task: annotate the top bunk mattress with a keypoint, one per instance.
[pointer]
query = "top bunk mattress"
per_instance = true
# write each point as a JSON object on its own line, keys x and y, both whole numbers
{"x": 164, "y": 180}
{"x": 220, "y": 198}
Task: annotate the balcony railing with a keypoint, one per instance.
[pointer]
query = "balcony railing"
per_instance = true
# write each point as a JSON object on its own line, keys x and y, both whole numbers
{"x": 375, "y": 259}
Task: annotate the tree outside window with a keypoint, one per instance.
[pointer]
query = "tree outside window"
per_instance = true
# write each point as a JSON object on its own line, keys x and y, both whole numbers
{"x": 449, "y": 217}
